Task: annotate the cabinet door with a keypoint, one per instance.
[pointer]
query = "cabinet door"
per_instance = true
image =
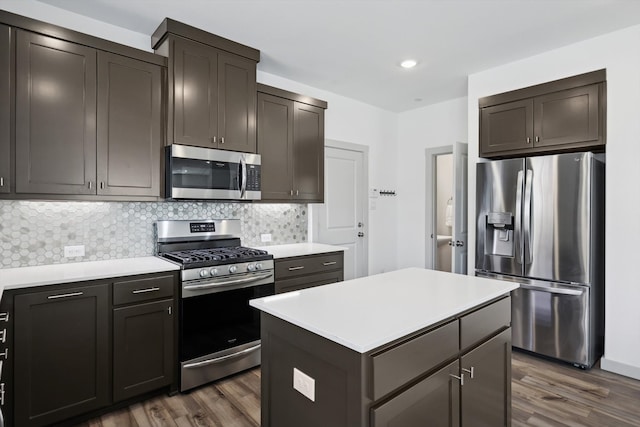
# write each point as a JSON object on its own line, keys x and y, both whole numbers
{"x": 308, "y": 153}
{"x": 62, "y": 355}
{"x": 486, "y": 394}
{"x": 5, "y": 109}
{"x": 506, "y": 128}
{"x": 129, "y": 126}
{"x": 568, "y": 117}
{"x": 275, "y": 146}
{"x": 433, "y": 402}
{"x": 236, "y": 103}
{"x": 142, "y": 348}
{"x": 55, "y": 116}
{"x": 195, "y": 104}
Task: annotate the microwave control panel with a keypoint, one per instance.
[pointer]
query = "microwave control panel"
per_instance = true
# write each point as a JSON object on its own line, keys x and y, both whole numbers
{"x": 253, "y": 177}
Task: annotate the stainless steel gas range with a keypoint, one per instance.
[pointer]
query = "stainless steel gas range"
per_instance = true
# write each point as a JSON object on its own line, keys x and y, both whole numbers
{"x": 219, "y": 331}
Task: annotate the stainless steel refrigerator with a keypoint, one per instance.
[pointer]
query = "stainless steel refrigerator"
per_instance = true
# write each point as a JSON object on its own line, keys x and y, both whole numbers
{"x": 540, "y": 222}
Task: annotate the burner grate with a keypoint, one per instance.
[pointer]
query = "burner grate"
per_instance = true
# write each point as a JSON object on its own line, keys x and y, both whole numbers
{"x": 215, "y": 255}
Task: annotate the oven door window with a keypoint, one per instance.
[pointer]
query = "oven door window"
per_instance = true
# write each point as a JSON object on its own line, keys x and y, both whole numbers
{"x": 204, "y": 174}
{"x": 219, "y": 321}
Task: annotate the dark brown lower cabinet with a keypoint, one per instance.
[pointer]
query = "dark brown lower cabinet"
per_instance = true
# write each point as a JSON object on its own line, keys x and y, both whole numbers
{"x": 62, "y": 362}
{"x": 142, "y": 348}
{"x": 310, "y": 281}
{"x": 486, "y": 393}
{"x": 301, "y": 272}
{"x": 433, "y": 402}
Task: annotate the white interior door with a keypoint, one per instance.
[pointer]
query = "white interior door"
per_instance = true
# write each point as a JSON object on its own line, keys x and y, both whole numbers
{"x": 342, "y": 219}
{"x": 460, "y": 229}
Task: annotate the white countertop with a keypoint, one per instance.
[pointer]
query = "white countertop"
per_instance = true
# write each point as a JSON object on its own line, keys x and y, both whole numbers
{"x": 365, "y": 313}
{"x": 300, "y": 249}
{"x": 25, "y": 277}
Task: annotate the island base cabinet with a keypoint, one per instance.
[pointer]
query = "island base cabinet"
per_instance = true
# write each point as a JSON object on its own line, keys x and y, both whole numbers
{"x": 433, "y": 402}
{"x": 142, "y": 348}
{"x": 486, "y": 393}
{"x": 61, "y": 354}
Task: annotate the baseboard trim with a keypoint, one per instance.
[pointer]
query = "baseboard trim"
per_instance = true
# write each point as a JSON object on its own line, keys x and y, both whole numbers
{"x": 620, "y": 368}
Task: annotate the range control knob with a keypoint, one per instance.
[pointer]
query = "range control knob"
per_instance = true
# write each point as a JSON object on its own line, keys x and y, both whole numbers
{"x": 251, "y": 267}
{"x": 204, "y": 273}
{"x": 233, "y": 269}
{"x": 259, "y": 266}
{"x": 213, "y": 271}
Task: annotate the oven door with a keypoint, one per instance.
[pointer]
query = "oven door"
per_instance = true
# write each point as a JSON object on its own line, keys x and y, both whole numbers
{"x": 220, "y": 332}
{"x": 205, "y": 173}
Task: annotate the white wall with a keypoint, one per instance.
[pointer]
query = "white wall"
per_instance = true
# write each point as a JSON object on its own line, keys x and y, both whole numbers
{"x": 346, "y": 120}
{"x": 47, "y": 13}
{"x": 617, "y": 52}
{"x": 359, "y": 123}
{"x": 428, "y": 127}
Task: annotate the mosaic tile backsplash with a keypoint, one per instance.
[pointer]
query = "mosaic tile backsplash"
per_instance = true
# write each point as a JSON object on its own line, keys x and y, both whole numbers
{"x": 35, "y": 233}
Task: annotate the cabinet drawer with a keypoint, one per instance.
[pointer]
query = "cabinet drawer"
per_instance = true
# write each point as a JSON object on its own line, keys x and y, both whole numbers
{"x": 309, "y": 281}
{"x": 481, "y": 323}
{"x": 399, "y": 365}
{"x": 144, "y": 289}
{"x": 291, "y": 267}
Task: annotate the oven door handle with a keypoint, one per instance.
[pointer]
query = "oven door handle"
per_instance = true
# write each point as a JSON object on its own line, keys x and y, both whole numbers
{"x": 229, "y": 282}
{"x": 222, "y": 359}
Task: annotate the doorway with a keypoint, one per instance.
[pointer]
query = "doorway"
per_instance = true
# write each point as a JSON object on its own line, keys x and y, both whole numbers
{"x": 344, "y": 217}
{"x": 446, "y": 208}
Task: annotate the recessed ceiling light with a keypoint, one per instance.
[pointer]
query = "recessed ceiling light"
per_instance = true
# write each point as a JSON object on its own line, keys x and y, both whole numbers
{"x": 408, "y": 63}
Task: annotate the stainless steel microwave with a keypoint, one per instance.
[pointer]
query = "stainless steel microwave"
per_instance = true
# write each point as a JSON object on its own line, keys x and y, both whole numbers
{"x": 206, "y": 173}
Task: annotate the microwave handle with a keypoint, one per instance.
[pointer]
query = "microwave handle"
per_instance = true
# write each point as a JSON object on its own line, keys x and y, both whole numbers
{"x": 243, "y": 185}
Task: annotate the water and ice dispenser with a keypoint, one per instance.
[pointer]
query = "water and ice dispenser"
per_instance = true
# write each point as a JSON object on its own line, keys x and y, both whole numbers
{"x": 499, "y": 234}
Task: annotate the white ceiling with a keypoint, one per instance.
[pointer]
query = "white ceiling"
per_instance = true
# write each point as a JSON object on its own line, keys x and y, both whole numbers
{"x": 353, "y": 47}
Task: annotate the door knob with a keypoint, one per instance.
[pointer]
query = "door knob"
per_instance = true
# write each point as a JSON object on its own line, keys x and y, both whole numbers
{"x": 459, "y": 243}
{"x": 360, "y": 225}
{"x": 450, "y": 243}
{"x": 360, "y": 234}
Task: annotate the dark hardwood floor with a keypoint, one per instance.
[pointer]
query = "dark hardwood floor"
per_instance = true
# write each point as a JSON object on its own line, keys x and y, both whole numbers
{"x": 545, "y": 394}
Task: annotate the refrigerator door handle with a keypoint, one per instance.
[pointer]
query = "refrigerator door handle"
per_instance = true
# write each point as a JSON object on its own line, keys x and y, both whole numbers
{"x": 518, "y": 225}
{"x": 560, "y": 291}
{"x": 527, "y": 216}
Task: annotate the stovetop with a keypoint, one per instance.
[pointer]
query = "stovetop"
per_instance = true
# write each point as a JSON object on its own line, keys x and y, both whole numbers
{"x": 195, "y": 258}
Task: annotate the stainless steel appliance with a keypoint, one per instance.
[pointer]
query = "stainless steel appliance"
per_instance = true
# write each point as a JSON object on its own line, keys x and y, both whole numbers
{"x": 206, "y": 173}
{"x": 219, "y": 331}
{"x": 540, "y": 222}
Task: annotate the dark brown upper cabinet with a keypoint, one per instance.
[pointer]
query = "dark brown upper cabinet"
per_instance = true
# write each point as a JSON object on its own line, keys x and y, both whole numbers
{"x": 212, "y": 88}
{"x": 129, "y": 126}
{"x": 5, "y": 109}
{"x": 291, "y": 144}
{"x": 88, "y": 119}
{"x": 560, "y": 116}
{"x": 55, "y": 116}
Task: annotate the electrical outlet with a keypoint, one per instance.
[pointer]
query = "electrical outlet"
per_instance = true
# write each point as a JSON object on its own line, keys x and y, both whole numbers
{"x": 73, "y": 251}
{"x": 265, "y": 237}
{"x": 304, "y": 384}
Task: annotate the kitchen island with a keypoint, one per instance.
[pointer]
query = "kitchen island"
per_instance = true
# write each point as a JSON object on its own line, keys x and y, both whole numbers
{"x": 407, "y": 348}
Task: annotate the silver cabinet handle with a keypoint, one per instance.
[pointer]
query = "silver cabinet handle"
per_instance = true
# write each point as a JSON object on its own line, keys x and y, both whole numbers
{"x": 291, "y": 193}
{"x": 297, "y": 192}
{"x": 460, "y": 378}
{"x": 102, "y": 185}
{"x": 296, "y": 268}
{"x": 222, "y": 140}
{"x": 222, "y": 359}
{"x": 537, "y": 139}
{"x": 214, "y": 140}
{"x": 4, "y": 317}
{"x": 90, "y": 185}
{"x": 470, "y": 371}
{"x": 142, "y": 291}
{"x": 3, "y": 335}
{"x": 329, "y": 263}
{"x": 169, "y": 310}
{"x": 5, "y": 354}
{"x": 1, "y": 181}
{"x": 528, "y": 140}
{"x": 72, "y": 294}
{"x": 2, "y": 394}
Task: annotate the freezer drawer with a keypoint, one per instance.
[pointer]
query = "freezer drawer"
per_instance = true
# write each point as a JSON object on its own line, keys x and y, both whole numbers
{"x": 553, "y": 320}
